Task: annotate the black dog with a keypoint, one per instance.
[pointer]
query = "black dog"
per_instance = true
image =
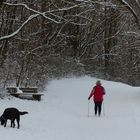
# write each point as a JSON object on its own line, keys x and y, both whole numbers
{"x": 11, "y": 114}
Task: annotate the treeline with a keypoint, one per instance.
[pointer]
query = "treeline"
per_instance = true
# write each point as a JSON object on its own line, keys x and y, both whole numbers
{"x": 42, "y": 39}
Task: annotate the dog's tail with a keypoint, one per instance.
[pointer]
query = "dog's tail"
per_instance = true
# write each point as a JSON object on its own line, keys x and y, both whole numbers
{"x": 24, "y": 112}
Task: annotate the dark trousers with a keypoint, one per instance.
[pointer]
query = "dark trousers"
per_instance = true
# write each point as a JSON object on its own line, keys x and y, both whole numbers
{"x": 97, "y": 107}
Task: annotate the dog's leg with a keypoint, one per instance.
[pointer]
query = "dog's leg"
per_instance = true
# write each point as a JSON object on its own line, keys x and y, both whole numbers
{"x": 13, "y": 123}
{"x": 5, "y": 123}
{"x": 18, "y": 119}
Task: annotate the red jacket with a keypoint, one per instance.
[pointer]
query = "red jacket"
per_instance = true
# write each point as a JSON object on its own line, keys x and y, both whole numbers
{"x": 97, "y": 93}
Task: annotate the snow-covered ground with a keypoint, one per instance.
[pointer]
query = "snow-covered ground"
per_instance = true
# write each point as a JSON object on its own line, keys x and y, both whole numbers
{"x": 63, "y": 113}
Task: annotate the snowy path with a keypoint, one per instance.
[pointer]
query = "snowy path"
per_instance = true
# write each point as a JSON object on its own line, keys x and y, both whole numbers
{"x": 62, "y": 114}
{"x": 121, "y": 111}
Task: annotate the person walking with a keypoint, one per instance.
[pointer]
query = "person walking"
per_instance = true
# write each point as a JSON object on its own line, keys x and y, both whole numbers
{"x": 97, "y": 93}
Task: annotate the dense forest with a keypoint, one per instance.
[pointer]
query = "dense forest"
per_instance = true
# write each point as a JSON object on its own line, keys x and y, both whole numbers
{"x": 44, "y": 39}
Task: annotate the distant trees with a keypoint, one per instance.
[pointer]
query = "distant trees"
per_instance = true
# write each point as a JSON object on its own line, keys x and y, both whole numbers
{"x": 55, "y": 38}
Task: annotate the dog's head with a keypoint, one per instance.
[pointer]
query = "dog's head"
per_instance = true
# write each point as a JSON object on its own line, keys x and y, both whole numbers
{"x": 2, "y": 120}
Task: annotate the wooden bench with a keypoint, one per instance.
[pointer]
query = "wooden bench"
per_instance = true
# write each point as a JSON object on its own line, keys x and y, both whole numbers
{"x": 28, "y": 91}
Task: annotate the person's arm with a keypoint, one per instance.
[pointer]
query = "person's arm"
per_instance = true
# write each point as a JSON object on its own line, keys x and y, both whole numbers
{"x": 91, "y": 94}
{"x": 104, "y": 92}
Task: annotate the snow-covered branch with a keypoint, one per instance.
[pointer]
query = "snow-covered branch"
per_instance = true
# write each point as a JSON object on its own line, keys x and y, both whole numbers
{"x": 66, "y": 8}
{"x": 47, "y": 12}
{"x": 138, "y": 3}
{"x": 133, "y": 33}
{"x": 18, "y": 30}
{"x": 131, "y": 10}
{"x": 35, "y": 11}
{"x": 103, "y": 3}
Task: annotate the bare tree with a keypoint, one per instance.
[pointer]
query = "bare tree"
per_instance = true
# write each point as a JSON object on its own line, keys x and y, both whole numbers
{"x": 55, "y": 38}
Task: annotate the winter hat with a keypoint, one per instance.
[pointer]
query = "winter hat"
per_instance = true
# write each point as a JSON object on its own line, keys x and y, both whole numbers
{"x": 98, "y": 82}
